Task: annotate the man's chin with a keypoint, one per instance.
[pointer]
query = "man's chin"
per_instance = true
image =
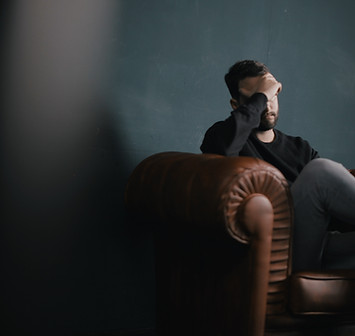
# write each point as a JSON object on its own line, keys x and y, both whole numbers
{"x": 266, "y": 127}
{"x": 266, "y": 124}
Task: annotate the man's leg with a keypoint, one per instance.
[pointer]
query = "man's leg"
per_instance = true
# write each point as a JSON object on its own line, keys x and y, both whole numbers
{"x": 339, "y": 252}
{"x": 323, "y": 190}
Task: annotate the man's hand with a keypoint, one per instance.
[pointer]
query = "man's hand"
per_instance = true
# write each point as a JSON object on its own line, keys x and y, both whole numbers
{"x": 266, "y": 84}
{"x": 269, "y": 86}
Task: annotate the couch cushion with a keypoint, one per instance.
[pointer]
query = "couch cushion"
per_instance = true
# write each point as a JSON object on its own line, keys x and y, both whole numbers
{"x": 326, "y": 292}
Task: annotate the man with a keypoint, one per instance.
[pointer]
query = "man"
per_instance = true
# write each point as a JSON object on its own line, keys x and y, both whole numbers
{"x": 322, "y": 190}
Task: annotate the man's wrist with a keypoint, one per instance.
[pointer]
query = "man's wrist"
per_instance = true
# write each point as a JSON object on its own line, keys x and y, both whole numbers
{"x": 259, "y": 97}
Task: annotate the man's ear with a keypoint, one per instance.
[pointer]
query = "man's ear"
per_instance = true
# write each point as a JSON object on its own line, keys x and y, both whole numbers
{"x": 234, "y": 103}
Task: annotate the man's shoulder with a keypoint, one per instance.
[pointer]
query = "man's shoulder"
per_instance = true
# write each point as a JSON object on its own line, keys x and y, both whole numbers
{"x": 297, "y": 143}
{"x": 215, "y": 128}
{"x": 290, "y": 138}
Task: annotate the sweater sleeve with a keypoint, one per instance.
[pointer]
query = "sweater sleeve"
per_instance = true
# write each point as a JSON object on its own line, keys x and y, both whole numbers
{"x": 229, "y": 136}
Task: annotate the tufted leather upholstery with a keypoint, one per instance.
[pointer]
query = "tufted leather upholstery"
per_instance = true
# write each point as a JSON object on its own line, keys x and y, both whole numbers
{"x": 223, "y": 240}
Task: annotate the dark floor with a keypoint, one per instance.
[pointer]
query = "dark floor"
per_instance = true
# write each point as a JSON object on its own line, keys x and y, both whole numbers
{"x": 136, "y": 332}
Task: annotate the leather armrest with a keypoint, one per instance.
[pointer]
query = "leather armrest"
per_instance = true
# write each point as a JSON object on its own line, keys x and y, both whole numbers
{"x": 352, "y": 171}
{"x": 204, "y": 190}
{"x": 212, "y": 195}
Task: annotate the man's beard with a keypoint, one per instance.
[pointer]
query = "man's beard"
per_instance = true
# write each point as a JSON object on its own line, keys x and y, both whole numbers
{"x": 265, "y": 123}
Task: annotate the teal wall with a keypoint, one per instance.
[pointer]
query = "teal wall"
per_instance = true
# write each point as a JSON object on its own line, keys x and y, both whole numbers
{"x": 92, "y": 88}
{"x": 172, "y": 56}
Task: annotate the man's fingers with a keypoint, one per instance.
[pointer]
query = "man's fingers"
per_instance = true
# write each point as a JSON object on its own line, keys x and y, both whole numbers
{"x": 269, "y": 86}
{"x": 279, "y": 88}
{"x": 268, "y": 75}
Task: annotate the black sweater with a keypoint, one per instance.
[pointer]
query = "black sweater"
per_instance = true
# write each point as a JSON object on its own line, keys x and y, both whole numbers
{"x": 235, "y": 137}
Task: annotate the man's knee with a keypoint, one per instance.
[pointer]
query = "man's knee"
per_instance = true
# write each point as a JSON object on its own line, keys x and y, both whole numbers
{"x": 316, "y": 174}
{"x": 322, "y": 168}
{"x": 323, "y": 164}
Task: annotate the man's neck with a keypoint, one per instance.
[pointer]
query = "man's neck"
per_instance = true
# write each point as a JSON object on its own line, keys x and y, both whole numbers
{"x": 266, "y": 136}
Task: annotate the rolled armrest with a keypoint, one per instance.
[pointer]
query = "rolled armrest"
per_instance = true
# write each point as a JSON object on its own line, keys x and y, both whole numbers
{"x": 205, "y": 190}
{"x": 352, "y": 171}
{"x": 196, "y": 196}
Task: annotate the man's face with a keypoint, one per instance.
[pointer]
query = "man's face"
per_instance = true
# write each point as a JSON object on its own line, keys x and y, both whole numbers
{"x": 247, "y": 87}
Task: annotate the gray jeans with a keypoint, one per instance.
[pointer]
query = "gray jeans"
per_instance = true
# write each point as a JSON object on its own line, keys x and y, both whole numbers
{"x": 323, "y": 191}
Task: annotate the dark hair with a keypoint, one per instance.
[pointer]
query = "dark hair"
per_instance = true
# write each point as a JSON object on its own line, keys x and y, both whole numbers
{"x": 241, "y": 70}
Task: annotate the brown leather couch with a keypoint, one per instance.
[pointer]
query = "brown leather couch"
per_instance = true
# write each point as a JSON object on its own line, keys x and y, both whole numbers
{"x": 223, "y": 251}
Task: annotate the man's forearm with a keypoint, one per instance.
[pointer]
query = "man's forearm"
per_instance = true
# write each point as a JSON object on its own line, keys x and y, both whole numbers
{"x": 228, "y": 137}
